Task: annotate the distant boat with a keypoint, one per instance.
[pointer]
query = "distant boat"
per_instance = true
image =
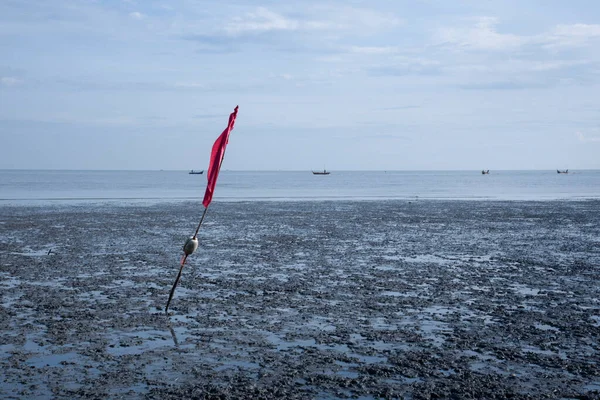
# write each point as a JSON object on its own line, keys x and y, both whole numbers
{"x": 566, "y": 171}
{"x": 324, "y": 172}
{"x": 484, "y": 172}
{"x": 192, "y": 172}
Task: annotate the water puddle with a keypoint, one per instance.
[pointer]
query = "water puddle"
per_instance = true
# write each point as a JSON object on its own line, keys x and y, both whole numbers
{"x": 299, "y": 344}
{"x": 228, "y": 364}
{"x": 133, "y": 343}
{"x": 524, "y": 290}
{"x": 544, "y": 327}
{"x": 52, "y": 360}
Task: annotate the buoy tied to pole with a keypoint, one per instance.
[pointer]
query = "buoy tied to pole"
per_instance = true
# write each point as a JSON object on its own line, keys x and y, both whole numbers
{"x": 190, "y": 246}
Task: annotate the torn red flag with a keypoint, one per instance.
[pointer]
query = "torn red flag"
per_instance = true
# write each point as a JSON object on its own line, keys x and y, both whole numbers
{"x": 216, "y": 158}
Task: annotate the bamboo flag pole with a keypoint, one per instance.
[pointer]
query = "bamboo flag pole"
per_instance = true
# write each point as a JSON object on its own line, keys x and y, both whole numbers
{"x": 188, "y": 248}
{"x": 216, "y": 160}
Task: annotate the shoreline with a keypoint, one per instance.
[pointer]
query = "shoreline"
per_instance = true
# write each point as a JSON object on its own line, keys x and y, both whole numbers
{"x": 66, "y": 202}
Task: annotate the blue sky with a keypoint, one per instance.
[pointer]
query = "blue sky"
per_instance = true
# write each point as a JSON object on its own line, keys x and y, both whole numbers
{"x": 349, "y": 85}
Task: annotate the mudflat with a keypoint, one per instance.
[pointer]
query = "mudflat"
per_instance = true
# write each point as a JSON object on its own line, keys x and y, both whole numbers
{"x": 340, "y": 299}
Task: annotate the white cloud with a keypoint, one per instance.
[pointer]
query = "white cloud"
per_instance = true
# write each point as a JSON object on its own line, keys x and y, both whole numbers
{"x": 359, "y": 20}
{"x": 323, "y": 18}
{"x": 515, "y": 66}
{"x": 556, "y": 65}
{"x": 10, "y": 81}
{"x": 373, "y": 50}
{"x": 261, "y": 20}
{"x": 586, "y": 139}
{"x": 481, "y": 36}
{"x": 137, "y": 15}
{"x": 572, "y": 35}
{"x": 578, "y": 30}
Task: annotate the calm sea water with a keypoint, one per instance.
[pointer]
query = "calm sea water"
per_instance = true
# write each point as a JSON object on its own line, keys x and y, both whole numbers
{"x": 29, "y": 186}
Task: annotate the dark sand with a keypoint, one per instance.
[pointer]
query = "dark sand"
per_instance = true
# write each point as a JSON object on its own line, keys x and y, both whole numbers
{"x": 390, "y": 299}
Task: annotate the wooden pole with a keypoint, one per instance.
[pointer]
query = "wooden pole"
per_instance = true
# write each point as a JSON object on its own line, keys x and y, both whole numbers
{"x": 183, "y": 263}
{"x": 200, "y": 223}
{"x": 185, "y": 256}
{"x": 175, "y": 284}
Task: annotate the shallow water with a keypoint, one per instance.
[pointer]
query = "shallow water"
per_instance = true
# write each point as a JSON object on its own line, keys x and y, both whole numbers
{"x": 39, "y": 187}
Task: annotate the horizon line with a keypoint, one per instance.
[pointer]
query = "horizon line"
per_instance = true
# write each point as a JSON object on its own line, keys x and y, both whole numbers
{"x": 296, "y": 170}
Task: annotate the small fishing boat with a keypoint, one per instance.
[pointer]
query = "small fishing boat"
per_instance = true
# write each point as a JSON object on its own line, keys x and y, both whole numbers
{"x": 484, "y": 172}
{"x": 192, "y": 172}
{"x": 324, "y": 172}
{"x": 566, "y": 171}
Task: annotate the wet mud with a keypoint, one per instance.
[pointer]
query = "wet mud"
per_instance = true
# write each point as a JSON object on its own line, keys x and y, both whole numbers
{"x": 365, "y": 299}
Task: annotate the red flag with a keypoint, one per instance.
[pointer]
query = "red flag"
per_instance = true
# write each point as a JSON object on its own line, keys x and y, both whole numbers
{"x": 216, "y": 158}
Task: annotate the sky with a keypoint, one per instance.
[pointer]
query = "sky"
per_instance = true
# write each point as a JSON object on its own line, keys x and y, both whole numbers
{"x": 342, "y": 85}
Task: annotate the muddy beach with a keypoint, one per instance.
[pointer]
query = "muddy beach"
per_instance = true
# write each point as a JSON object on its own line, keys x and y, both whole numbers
{"x": 356, "y": 299}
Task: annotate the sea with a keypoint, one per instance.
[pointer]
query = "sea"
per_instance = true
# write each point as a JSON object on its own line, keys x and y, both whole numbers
{"x": 69, "y": 186}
